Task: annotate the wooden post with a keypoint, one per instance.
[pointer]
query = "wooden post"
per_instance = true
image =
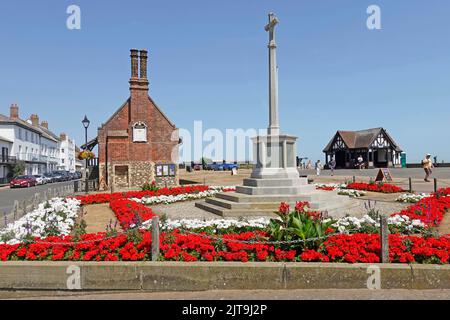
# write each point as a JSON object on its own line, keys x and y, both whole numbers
{"x": 24, "y": 207}
{"x": 16, "y": 209}
{"x": 435, "y": 185}
{"x": 384, "y": 235}
{"x": 410, "y": 185}
{"x": 5, "y": 216}
{"x": 36, "y": 200}
{"x": 155, "y": 238}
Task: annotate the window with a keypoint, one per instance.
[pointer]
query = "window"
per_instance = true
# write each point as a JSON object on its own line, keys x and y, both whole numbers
{"x": 62, "y": 150}
{"x": 62, "y": 160}
{"x": 26, "y": 135}
{"x": 20, "y": 134}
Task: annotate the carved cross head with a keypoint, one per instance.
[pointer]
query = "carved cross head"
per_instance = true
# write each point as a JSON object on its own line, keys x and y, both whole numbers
{"x": 273, "y": 21}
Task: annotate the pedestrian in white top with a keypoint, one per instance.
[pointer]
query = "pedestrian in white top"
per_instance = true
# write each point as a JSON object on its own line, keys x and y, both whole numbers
{"x": 318, "y": 167}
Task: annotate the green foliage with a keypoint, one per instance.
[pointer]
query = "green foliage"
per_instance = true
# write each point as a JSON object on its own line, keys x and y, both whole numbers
{"x": 371, "y": 210}
{"x": 299, "y": 225}
{"x": 79, "y": 229}
{"x": 16, "y": 169}
{"x": 150, "y": 186}
{"x": 134, "y": 235}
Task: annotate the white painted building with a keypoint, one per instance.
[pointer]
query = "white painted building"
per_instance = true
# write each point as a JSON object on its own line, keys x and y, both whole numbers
{"x": 66, "y": 153}
{"x": 29, "y": 142}
{"x": 5, "y": 160}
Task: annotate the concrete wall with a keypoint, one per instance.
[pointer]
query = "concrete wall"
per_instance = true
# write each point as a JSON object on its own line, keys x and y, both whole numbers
{"x": 179, "y": 276}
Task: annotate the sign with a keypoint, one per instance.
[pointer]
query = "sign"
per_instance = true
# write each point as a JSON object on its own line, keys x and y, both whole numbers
{"x": 159, "y": 171}
{"x": 139, "y": 132}
{"x": 165, "y": 170}
{"x": 172, "y": 170}
{"x": 384, "y": 174}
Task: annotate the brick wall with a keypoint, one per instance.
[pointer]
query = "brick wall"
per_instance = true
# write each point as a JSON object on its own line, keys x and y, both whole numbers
{"x": 116, "y": 146}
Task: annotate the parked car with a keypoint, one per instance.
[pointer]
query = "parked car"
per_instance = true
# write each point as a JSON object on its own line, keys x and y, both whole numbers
{"x": 49, "y": 178}
{"x": 23, "y": 182}
{"x": 78, "y": 175}
{"x": 40, "y": 180}
{"x": 58, "y": 177}
{"x": 230, "y": 166}
{"x": 215, "y": 166}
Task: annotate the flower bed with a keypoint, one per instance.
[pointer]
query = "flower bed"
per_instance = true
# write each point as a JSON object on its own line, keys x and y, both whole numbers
{"x": 167, "y": 199}
{"x": 176, "y": 246}
{"x": 234, "y": 240}
{"x": 108, "y": 197}
{"x": 411, "y": 198}
{"x": 429, "y": 210}
{"x": 375, "y": 187}
{"x": 130, "y": 213}
{"x": 54, "y": 217}
{"x": 365, "y": 248}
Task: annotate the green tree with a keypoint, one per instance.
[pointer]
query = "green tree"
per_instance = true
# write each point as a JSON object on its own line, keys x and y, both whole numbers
{"x": 16, "y": 169}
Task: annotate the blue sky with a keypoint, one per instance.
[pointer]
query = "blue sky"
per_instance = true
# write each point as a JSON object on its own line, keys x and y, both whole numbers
{"x": 208, "y": 61}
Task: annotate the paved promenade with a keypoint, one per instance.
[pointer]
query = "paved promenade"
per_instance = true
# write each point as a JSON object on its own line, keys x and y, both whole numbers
{"x": 320, "y": 294}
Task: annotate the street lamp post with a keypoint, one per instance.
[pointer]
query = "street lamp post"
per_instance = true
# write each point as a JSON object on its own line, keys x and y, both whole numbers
{"x": 86, "y": 123}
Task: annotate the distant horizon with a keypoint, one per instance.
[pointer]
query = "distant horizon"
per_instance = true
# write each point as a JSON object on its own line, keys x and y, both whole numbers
{"x": 208, "y": 62}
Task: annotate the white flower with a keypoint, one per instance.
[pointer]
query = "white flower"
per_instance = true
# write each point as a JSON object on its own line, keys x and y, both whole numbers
{"x": 58, "y": 214}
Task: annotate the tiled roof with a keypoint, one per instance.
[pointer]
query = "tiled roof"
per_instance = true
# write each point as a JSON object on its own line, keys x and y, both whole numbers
{"x": 361, "y": 139}
{"x": 38, "y": 129}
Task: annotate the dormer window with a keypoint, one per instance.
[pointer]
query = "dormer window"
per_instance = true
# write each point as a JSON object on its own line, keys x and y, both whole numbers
{"x": 139, "y": 132}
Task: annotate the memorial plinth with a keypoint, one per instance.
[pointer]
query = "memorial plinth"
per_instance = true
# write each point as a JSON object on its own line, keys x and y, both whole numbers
{"x": 275, "y": 177}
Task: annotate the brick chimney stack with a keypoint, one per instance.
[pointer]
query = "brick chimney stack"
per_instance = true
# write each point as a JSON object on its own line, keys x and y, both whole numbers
{"x": 34, "y": 120}
{"x": 14, "y": 111}
{"x": 143, "y": 57}
{"x": 63, "y": 136}
{"x": 138, "y": 80}
{"x": 44, "y": 124}
{"x": 134, "y": 80}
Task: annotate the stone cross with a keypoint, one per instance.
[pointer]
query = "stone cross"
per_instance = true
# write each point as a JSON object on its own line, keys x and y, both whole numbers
{"x": 274, "y": 126}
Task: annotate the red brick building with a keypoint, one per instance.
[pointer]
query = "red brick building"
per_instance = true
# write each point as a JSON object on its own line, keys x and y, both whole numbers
{"x": 138, "y": 143}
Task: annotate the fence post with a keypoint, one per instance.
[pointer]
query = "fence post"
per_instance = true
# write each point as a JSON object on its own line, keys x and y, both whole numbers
{"x": 435, "y": 185}
{"x": 16, "y": 209}
{"x": 24, "y": 207}
{"x": 155, "y": 238}
{"x": 410, "y": 185}
{"x": 36, "y": 200}
{"x": 384, "y": 235}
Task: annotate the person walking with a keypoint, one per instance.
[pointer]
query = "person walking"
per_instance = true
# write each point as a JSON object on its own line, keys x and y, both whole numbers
{"x": 360, "y": 162}
{"x": 332, "y": 165}
{"x": 427, "y": 165}
{"x": 318, "y": 167}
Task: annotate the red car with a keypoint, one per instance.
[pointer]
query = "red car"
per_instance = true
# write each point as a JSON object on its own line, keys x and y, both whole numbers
{"x": 23, "y": 181}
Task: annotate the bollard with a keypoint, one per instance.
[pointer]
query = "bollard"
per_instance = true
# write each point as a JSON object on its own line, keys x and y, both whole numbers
{"x": 155, "y": 238}
{"x": 354, "y": 179}
{"x": 410, "y": 185}
{"x": 384, "y": 236}
{"x": 435, "y": 185}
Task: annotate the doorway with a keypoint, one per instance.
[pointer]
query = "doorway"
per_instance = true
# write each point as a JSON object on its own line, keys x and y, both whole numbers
{"x": 340, "y": 159}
